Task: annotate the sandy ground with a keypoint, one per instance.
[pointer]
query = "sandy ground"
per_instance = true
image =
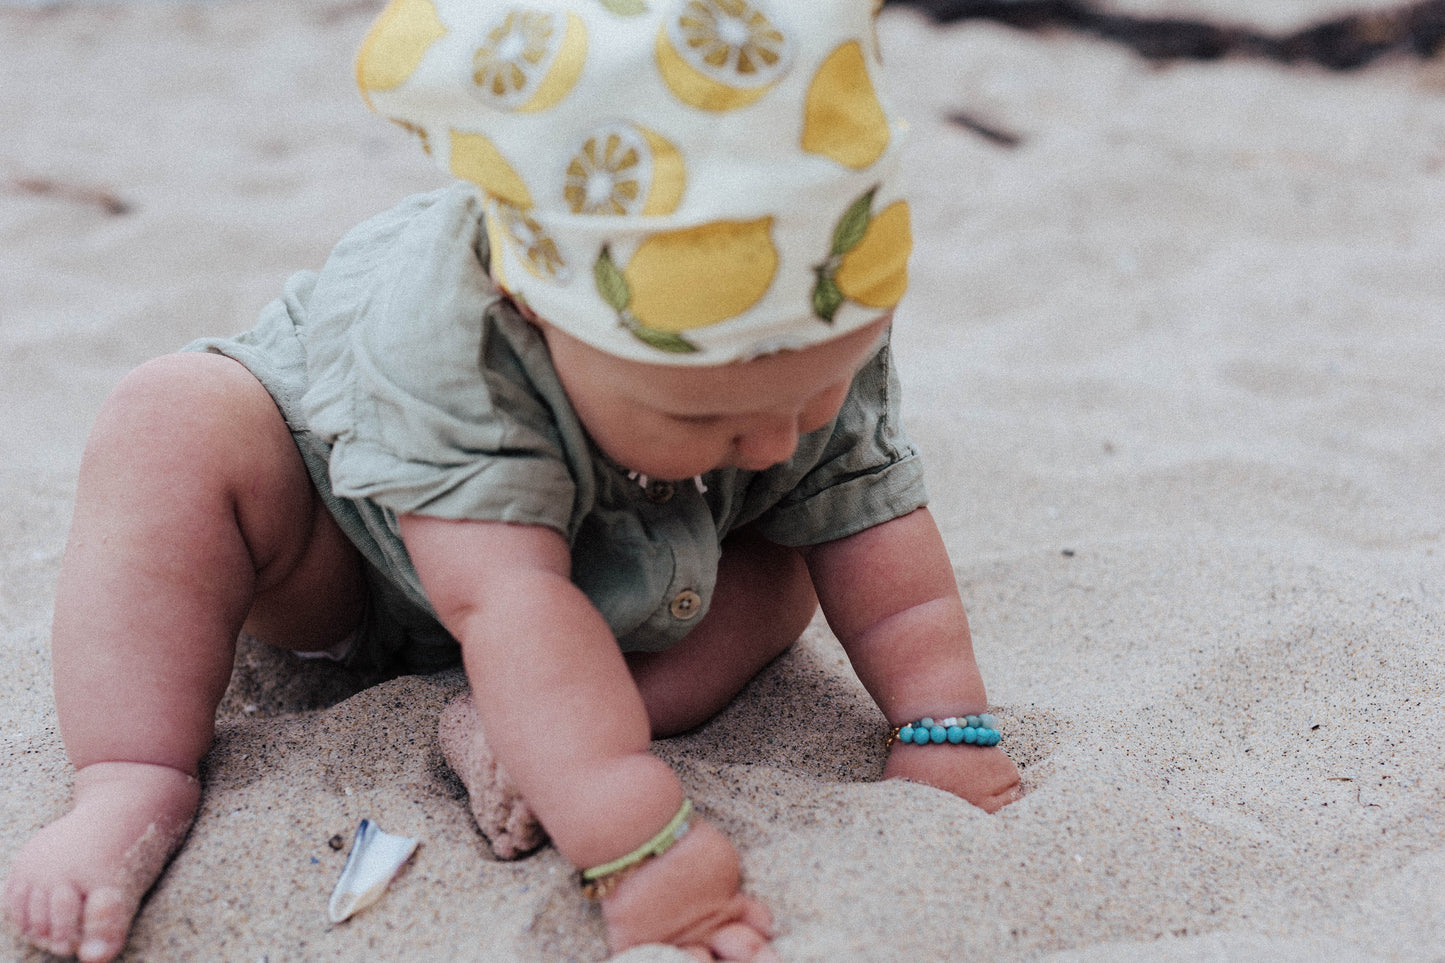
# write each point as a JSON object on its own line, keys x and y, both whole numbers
{"x": 1177, "y": 360}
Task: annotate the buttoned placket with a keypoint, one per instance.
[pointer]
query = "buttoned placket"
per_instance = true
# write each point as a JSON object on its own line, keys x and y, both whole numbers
{"x": 682, "y": 517}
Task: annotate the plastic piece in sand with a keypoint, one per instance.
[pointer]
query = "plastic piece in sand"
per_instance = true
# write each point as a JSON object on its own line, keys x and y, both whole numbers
{"x": 375, "y": 859}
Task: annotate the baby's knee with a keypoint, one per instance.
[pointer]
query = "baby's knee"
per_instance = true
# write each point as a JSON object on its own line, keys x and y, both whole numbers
{"x": 180, "y": 403}
{"x": 179, "y": 389}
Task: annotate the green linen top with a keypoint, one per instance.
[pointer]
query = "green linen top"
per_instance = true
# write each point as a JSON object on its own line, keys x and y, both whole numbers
{"x": 413, "y": 386}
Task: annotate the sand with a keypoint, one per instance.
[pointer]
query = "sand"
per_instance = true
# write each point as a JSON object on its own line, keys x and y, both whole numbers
{"x": 1177, "y": 361}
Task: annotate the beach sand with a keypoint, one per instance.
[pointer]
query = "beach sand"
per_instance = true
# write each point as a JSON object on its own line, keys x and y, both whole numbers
{"x": 1177, "y": 363}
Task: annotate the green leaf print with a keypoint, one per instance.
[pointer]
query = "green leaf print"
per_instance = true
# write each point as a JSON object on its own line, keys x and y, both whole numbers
{"x": 827, "y": 298}
{"x": 625, "y": 8}
{"x": 663, "y": 340}
{"x": 610, "y": 282}
{"x": 854, "y": 224}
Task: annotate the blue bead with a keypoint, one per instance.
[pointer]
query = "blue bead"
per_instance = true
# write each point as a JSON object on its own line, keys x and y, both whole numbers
{"x": 970, "y": 735}
{"x": 926, "y": 722}
{"x": 973, "y": 721}
{"x": 955, "y": 734}
{"x": 988, "y": 721}
{"x": 992, "y": 737}
{"x": 905, "y": 734}
{"x": 937, "y": 734}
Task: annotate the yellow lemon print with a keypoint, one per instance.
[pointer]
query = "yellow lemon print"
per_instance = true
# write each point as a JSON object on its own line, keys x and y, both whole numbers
{"x": 529, "y": 60}
{"x": 721, "y": 54}
{"x": 395, "y": 45}
{"x": 533, "y": 246}
{"x": 680, "y": 280}
{"x": 842, "y": 116}
{"x": 476, "y": 159}
{"x": 622, "y": 169}
{"x": 875, "y": 273}
{"x": 868, "y": 263}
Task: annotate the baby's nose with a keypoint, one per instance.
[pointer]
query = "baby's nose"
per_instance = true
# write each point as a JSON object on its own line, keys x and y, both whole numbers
{"x": 767, "y": 443}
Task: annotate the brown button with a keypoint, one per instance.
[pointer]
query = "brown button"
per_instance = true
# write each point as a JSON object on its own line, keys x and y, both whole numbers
{"x": 659, "y": 492}
{"x": 685, "y": 605}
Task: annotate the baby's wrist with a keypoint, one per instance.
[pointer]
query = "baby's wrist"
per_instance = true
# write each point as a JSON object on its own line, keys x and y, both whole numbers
{"x": 676, "y": 898}
{"x": 599, "y": 882}
{"x": 702, "y": 851}
{"x": 605, "y": 812}
{"x": 979, "y": 729}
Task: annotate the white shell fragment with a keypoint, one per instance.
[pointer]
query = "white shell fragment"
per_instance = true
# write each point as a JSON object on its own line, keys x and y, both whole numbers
{"x": 375, "y": 858}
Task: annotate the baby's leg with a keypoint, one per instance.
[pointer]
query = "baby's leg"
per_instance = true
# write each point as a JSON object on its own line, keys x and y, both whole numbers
{"x": 762, "y": 603}
{"x": 194, "y": 511}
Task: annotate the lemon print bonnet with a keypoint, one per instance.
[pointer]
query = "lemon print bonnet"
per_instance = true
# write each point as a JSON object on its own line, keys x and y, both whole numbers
{"x": 671, "y": 181}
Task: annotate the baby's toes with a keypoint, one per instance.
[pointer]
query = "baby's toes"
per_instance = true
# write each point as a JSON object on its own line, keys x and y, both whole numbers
{"x": 64, "y": 920}
{"x": 108, "y": 914}
{"x": 17, "y": 905}
{"x": 36, "y": 927}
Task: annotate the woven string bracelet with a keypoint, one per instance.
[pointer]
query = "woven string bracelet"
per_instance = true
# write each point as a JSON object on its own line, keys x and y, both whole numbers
{"x": 979, "y": 730}
{"x": 599, "y": 881}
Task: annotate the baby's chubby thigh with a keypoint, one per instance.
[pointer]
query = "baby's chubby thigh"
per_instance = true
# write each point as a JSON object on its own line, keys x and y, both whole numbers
{"x": 193, "y": 510}
{"x": 762, "y": 602}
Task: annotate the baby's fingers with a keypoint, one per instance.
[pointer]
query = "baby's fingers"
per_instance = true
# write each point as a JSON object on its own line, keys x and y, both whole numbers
{"x": 741, "y": 942}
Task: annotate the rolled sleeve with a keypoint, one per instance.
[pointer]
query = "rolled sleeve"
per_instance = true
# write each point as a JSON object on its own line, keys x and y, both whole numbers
{"x": 866, "y": 470}
{"x": 422, "y": 381}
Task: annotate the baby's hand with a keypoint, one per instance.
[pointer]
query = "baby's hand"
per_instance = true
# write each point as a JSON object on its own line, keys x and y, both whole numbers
{"x": 982, "y": 775}
{"x": 689, "y": 897}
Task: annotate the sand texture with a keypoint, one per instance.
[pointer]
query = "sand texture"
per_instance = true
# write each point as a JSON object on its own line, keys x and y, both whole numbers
{"x": 1177, "y": 362}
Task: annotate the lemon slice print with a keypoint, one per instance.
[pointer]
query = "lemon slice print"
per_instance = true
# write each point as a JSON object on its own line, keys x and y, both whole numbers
{"x": 416, "y": 131}
{"x": 868, "y": 263}
{"x": 475, "y": 158}
{"x": 529, "y": 60}
{"x": 720, "y": 55}
{"x": 622, "y": 169}
{"x": 842, "y": 116}
{"x": 677, "y": 281}
{"x": 532, "y": 245}
{"x": 396, "y": 44}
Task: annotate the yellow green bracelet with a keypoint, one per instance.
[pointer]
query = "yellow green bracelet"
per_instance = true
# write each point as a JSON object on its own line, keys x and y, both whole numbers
{"x": 599, "y": 881}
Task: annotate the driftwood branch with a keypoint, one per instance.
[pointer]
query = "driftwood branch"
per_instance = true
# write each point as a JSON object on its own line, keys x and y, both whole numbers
{"x": 1343, "y": 43}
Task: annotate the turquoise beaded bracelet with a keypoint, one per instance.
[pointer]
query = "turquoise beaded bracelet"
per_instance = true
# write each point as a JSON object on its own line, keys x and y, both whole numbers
{"x": 976, "y": 730}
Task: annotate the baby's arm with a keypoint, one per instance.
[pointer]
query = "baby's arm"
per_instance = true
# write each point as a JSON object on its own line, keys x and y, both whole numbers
{"x": 889, "y": 595}
{"x": 563, "y": 716}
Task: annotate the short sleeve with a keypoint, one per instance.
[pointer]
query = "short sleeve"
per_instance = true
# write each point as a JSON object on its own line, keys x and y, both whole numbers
{"x": 860, "y": 473}
{"x": 436, "y": 397}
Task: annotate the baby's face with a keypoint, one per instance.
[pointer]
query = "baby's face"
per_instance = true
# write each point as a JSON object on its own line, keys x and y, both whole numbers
{"x": 675, "y": 422}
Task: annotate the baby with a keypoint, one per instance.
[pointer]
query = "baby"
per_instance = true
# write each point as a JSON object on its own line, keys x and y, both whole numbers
{"x": 605, "y": 423}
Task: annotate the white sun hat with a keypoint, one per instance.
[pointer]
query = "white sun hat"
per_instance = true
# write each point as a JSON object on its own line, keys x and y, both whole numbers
{"x": 671, "y": 181}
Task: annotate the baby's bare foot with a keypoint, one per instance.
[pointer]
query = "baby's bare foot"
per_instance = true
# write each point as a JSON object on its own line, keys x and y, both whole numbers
{"x": 76, "y": 886}
{"x": 502, "y": 815}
